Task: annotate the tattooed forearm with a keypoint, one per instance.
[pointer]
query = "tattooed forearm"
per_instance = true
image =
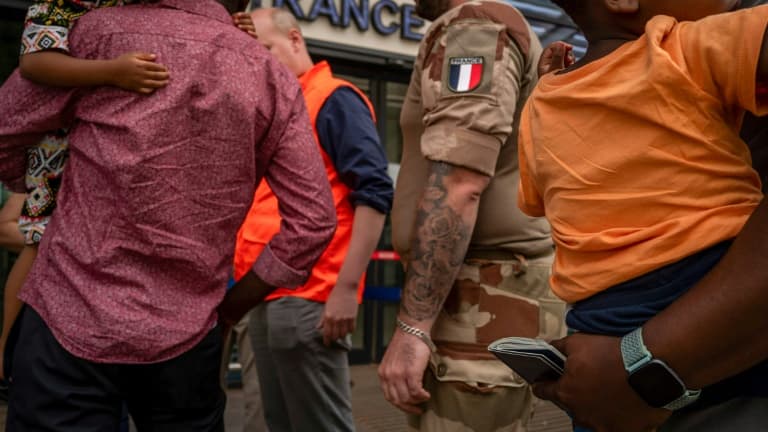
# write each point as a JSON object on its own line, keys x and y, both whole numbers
{"x": 437, "y": 251}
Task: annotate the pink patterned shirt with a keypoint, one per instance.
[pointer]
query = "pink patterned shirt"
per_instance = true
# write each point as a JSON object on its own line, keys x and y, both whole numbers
{"x": 137, "y": 255}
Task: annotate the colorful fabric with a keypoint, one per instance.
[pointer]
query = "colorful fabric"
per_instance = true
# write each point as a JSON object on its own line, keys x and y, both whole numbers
{"x": 156, "y": 187}
{"x": 45, "y": 164}
{"x": 635, "y": 158}
{"x": 48, "y": 22}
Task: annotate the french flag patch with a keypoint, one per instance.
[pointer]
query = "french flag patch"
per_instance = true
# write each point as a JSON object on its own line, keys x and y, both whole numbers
{"x": 465, "y": 73}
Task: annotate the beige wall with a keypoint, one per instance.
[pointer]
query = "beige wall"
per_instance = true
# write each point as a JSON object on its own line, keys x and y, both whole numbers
{"x": 388, "y": 25}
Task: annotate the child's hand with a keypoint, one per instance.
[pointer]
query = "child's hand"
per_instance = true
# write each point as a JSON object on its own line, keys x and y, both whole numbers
{"x": 557, "y": 56}
{"x": 244, "y": 22}
{"x": 138, "y": 72}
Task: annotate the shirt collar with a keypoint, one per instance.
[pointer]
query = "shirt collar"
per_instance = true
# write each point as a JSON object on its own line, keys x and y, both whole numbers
{"x": 207, "y": 8}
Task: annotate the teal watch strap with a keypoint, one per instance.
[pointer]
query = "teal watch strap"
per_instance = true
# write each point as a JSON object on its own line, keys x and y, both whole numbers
{"x": 689, "y": 397}
{"x": 635, "y": 355}
{"x": 633, "y": 350}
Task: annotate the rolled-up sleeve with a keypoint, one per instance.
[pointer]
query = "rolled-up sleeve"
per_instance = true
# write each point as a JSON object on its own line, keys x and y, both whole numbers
{"x": 470, "y": 103}
{"x": 348, "y": 135}
{"x": 296, "y": 175}
{"x": 27, "y": 112}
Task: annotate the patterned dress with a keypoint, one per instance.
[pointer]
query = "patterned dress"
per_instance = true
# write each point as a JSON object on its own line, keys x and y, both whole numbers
{"x": 48, "y": 22}
{"x": 45, "y": 163}
{"x": 47, "y": 27}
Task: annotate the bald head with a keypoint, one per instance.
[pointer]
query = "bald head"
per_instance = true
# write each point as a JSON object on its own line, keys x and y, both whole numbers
{"x": 279, "y": 32}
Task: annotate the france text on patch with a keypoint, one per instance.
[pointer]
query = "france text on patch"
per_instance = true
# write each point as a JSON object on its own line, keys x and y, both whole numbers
{"x": 465, "y": 73}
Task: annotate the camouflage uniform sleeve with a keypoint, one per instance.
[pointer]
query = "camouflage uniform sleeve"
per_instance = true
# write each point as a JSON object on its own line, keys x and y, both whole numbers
{"x": 471, "y": 82}
{"x": 48, "y": 22}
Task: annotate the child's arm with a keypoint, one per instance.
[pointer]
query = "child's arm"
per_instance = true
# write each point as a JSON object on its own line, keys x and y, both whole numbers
{"x": 132, "y": 71}
{"x": 556, "y": 56}
{"x": 46, "y": 60}
{"x": 244, "y": 22}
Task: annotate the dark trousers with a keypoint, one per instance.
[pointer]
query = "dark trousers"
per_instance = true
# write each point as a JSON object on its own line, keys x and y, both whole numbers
{"x": 55, "y": 391}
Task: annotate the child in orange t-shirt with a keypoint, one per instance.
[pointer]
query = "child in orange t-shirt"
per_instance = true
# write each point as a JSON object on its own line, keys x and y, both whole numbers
{"x": 633, "y": 154}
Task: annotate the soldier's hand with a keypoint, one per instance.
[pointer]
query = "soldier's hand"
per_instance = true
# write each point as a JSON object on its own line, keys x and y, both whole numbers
{"x": 556, "y": 56}
{"x": 594, "y": 388}
{"x": 402, "y": 370}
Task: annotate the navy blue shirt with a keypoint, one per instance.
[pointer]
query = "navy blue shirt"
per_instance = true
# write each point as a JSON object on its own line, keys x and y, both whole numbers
{"x": 348, "y": 135}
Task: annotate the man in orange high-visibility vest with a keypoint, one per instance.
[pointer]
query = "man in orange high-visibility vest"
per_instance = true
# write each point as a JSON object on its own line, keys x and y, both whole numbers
{"x": 300, "y": 337}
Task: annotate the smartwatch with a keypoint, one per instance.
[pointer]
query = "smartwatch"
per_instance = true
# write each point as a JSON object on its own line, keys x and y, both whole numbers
{"x": 656, "y": 383}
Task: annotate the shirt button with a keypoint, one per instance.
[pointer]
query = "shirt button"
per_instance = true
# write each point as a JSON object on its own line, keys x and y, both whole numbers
{"x": 441, "y": 370}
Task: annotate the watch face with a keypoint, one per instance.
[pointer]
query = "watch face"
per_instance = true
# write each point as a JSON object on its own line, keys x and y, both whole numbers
{"x": 656, "y": 384}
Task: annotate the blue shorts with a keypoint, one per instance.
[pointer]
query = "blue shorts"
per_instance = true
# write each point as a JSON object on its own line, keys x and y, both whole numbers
{"x": 624, "y": 307}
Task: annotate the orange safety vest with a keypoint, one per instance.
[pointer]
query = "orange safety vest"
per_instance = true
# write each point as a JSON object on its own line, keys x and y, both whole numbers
{"x": 263, "y": 220}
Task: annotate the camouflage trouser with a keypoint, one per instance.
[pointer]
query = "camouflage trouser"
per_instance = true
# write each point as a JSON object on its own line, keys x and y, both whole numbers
{"x": 470, "y": 389}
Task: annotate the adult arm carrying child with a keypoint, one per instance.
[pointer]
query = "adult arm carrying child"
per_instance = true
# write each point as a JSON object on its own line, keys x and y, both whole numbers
{"x": 634, "y": 156}
{"x": 45, "y": 60}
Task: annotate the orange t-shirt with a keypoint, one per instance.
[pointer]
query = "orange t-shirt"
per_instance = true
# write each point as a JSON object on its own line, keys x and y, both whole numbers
{"x": 636, "y": 159}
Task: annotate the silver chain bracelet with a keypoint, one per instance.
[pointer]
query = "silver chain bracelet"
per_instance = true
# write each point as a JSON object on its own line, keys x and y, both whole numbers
{"x": 418, "y": 333}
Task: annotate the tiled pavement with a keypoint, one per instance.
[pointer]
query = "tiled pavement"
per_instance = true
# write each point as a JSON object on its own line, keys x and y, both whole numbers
{"x": 372, "y": 412}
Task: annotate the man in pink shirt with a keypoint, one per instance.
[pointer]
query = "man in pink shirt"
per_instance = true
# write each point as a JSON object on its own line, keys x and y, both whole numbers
{"x": 123, "y": 296}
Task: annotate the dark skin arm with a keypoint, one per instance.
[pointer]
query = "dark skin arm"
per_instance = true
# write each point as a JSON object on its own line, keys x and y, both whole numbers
{"x": 242, "y": 297}
{"x": 133, "y": 71}
{"x": 727, "y": 308}
{"x": 714, "y": 331}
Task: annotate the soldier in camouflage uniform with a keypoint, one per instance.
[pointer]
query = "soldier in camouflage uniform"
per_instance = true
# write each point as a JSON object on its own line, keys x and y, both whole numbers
{"x": 477, "y": 269}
